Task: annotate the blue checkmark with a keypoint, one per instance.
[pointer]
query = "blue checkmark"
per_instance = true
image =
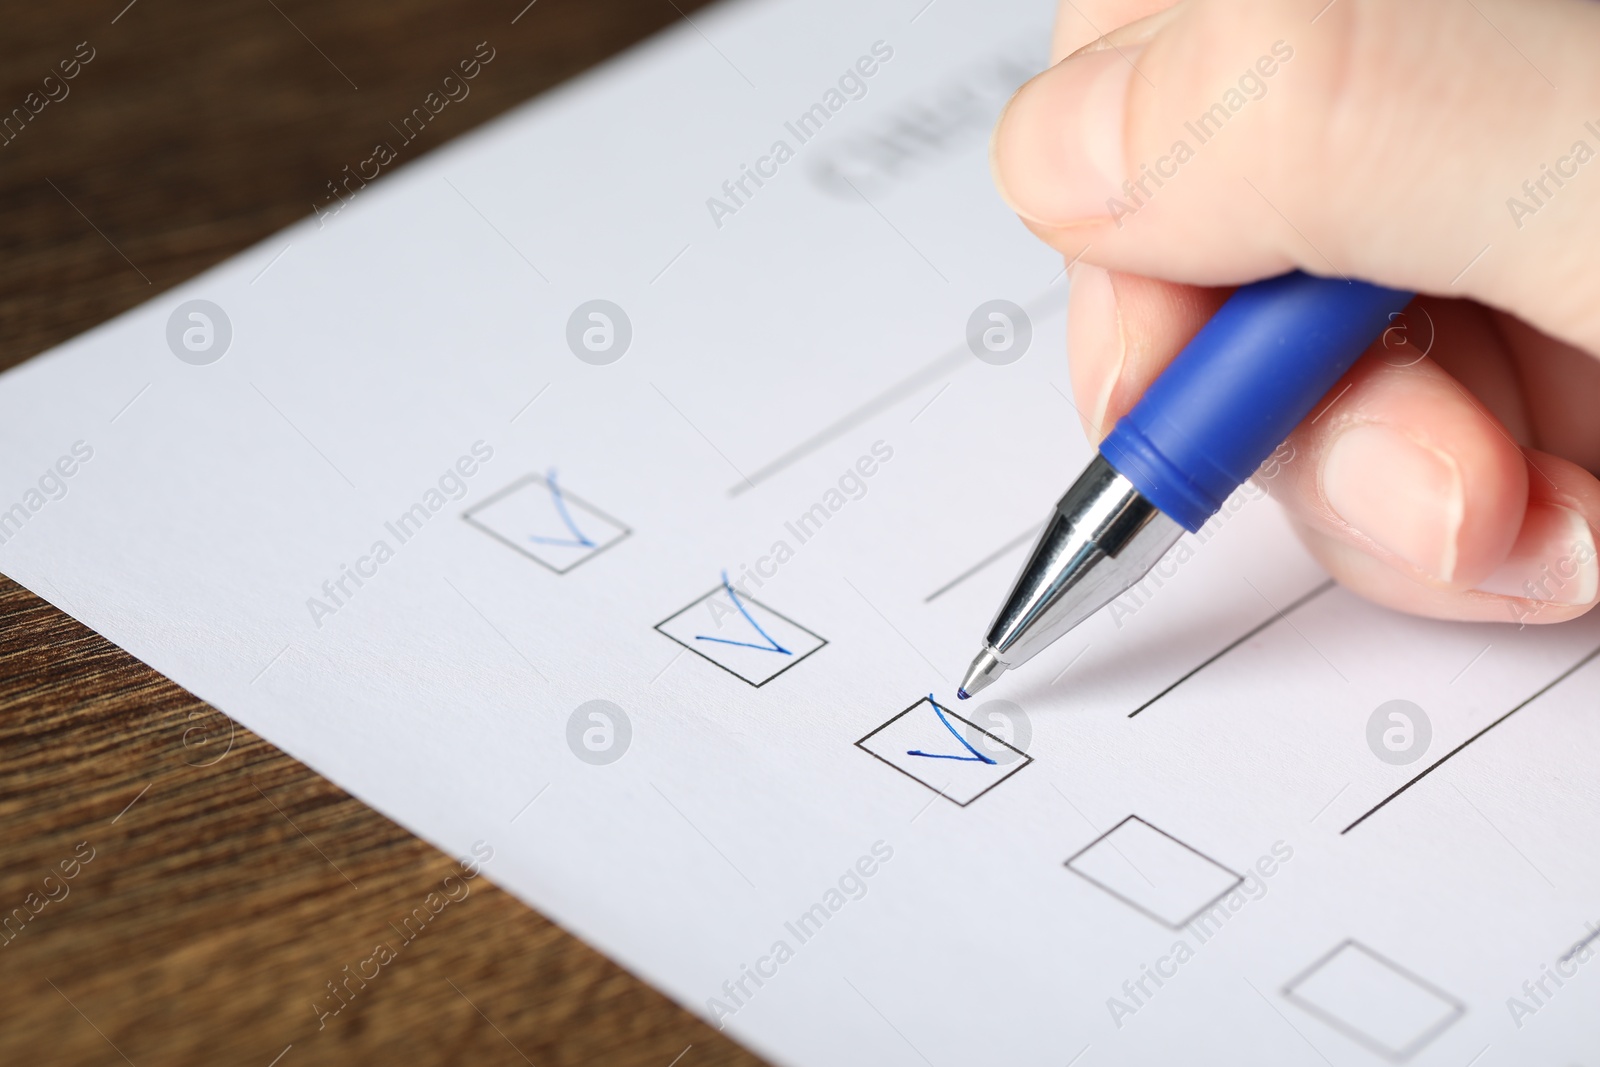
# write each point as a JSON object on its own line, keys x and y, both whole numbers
{"x": 976, "y": 757}
{"x": 770, "y": 646}
{"x": 577, "y": 540}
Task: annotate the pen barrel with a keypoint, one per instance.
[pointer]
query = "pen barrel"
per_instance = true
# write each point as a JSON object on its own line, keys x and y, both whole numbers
{"x": 1246, "y": 380}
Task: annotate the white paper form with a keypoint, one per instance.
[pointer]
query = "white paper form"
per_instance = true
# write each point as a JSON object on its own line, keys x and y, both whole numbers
{"x": 675, "y": 633}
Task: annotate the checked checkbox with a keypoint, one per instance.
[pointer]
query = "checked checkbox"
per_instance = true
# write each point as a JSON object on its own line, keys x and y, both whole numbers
{"x": 950, "y": 755}
{"x": 537, "y": 516}
{"x": 743, "y": 636}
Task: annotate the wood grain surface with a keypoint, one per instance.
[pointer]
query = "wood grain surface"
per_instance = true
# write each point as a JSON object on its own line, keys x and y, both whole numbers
{"x": 173, "y": 889}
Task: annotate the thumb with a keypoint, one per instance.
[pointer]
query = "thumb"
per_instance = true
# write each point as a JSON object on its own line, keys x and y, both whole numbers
{"x": 1438, "y": 146}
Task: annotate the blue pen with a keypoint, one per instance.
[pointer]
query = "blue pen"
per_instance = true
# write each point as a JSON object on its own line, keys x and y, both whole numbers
{"x": 1203, "y": 427}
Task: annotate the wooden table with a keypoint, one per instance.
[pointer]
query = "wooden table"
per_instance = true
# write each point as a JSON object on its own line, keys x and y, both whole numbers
{"x": 227, "y": 884}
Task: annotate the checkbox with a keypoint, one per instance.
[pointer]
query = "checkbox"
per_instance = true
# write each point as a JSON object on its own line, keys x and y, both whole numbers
{"x": 952, "y": 756}
{"x": 538, "y": 517}
{"x": 1376, "y": 1003}
{"x": 743, "y": 636}
{"x": 1154, "y": 873}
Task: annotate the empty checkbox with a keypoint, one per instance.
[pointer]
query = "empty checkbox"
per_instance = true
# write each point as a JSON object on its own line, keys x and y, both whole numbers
{"x": 1374, "y": 1002}
{"x": 1155, "y": 873}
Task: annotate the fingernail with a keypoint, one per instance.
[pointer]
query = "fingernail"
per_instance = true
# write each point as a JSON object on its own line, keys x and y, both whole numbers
{"x": 1405, "y": 496}
{"x": 1553, "y": 560}
{"x": 1057, "y": 151}
{"x": 1137, "y": 32}
{"x": 1094, "y": 327}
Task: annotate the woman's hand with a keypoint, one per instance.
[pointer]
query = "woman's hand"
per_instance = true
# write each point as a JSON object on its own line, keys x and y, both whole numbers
{"x": 1450, "y": 147}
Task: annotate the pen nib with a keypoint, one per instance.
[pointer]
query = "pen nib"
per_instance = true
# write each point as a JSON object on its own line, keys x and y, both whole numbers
{"x": 985, "y": 669}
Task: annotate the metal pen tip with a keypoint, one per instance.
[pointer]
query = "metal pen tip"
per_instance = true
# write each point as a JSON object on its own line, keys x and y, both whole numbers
{"x": 985, "y": 669}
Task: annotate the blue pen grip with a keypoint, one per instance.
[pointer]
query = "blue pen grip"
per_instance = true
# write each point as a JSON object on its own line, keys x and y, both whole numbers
{"x": 1234, "y": 393}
